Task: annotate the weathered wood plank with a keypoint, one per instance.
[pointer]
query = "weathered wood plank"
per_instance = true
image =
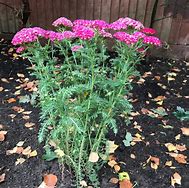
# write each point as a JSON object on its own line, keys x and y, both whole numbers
{"x": 81, "y": 9}
{"x": 90, "y": 9}
{"x": 106, "y": 6}
{"x": 73, "y": 9}
{"x": 114, "y": 12}
{"x": 65, "y": 8}
{"x": 124, "y": 8}
{"x": 133, "y": 8}
{"x": 141, "y": 10}
{"x": 148, "y": 16}
{"x": 97, "y": 9}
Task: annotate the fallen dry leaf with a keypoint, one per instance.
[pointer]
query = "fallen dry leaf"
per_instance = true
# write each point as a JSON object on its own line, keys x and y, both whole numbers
{"x": 176, "y": 179}
{"x": 20, "y": 161}
{"x": 114, "y": 180}
{"x": 33, "y": 154}
{"x": 117, "y": 168}
{"x": 27, "y": 150}
{"x": 2, "y": 177}
{"x": 29, "y": 124}
{"x": 171, "y": 147}
{"x": 50, "y": 180}
{"x": 111, "y": 146}
{"x": 125, "y": 184}
{"x": 112, "y": 163}
{"x": 11, "y": 100}
{"x": 180, "y": 158}
{"x": 181, "y": 147}
{"x": 4, "y": 80}
{"x": 20, "y": 75}
{"x": 93, "y": 157}
{"x": 169, "y": 163}
{"x": 2, "y": 135}
{"x": 185, "y": 131}
{"x": 83, "y": 183}
{"x": 18, "y": 109}
{"x": 1, "y": 89}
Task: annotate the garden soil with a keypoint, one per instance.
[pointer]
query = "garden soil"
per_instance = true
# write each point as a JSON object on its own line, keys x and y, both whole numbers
{"x": 166, "y": 79}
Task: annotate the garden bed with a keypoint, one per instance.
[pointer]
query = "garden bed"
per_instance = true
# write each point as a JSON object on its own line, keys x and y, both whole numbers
{"x": 160, "y": 78}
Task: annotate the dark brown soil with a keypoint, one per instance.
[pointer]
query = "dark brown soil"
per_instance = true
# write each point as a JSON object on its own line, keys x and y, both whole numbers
{"x": 30, "y": 173}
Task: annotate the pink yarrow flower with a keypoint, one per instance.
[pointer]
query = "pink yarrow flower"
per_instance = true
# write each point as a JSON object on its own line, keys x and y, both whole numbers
{"x": 52, "y": 35}
{"x": 139, "y": 34}
{"x": 20, "y": 49}
{"x": 149, "y": 31}
{"x": 124, "y": 23}
{"x": 62, "y": 21}
{"x": 95, "y": 24}
{"x": 125, "y": 37}
{"x": 105, "y": 34}
{"x": 27, "y": 35}
{"x": 83, "y": 32}
{"x": 152, "y": 40}
{"x": 76, "y": 48}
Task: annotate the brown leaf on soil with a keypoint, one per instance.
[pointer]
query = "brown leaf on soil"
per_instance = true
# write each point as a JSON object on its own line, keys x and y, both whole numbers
{"x": 11, "y": 100}
{"x": 180, "y": 158}
{"x": 176, "y": 179}
{"x": 117, "y": 168}
{"x": 112, "y": 163}
{"x": 18, "y": 109}
{"x": 2, "y": 177}
{"x": 27, "y": 151}
{"x": 2, "y": 135}
{"x": 29, "y": 124}
{"x": 185, "y": 131}
{"x": 114, "y": 180}
{"x": 20, "y": 161}
{"x": 26, "y": 117}
{"x": 50, "y": 180}
{"x": 4, "y": 80}
{"x": 1, "y": 89}
{"x": 125, "y": 184}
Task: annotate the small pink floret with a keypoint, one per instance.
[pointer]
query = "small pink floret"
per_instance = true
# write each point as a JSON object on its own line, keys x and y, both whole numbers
{"x": 62, "y": 21}
{"x": 76, "y": 48}
{"x": 149, "y": 31}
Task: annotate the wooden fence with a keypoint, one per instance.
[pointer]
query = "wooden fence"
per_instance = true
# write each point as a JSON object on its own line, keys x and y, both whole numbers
{"x": 169, "y": 17}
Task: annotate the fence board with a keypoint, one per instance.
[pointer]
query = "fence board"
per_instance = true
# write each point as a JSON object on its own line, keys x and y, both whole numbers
{"x": 106, "y": 6}
{"x": 73, "y": 9}
{"x": 148, "y": 16}
{"x": 141, "y": 10}
{"x": 124, "y": 8}
{"x": 133, "y": 8}
{"x": 97, "y": 9}
{"x": 81, "y": 10}
{"x": 90, "y": 9}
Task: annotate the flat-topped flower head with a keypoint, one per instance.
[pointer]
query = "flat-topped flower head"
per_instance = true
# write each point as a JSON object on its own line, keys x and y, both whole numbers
{"x": 105, "y": 34}
{"x": 95, "y": 24}
{"x": 148, "y": 31}
{"x": 125, "y": 37}
{"x": 27, "y": 35}
{"x": 139, "y": 35}
{"x": 62, "y": 21}
{"x": 124, "y": 23}
{"x": 82, "y": 32}
{"x": 52, "y": 35}
{"x": 152, "y": 40}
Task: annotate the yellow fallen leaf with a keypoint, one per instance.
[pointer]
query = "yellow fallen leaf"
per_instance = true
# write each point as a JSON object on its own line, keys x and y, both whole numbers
{"x": 111, "y": 146}
{"x": 60, "y": 153}
{"x": 93, "y": 157}
{"x": 20, "y": 161}
{"x": 33, "y": 154}
{"x": 169, "y": 163}
{"x": 177, "y": 137}
{"x": 112, "y": 163}
{"x": 170, "y": 147}
{"x": 159, "y": 102}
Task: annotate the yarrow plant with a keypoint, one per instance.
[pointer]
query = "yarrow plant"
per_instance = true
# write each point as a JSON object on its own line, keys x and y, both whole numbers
{"x": 82, "y": 88}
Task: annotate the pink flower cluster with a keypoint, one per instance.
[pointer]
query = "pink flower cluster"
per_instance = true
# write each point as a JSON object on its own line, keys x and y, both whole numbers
{"x": 124, "y": 23}
{"x": 59, "y": 36}
{"x": 139, "y": 35}
{"x": 105, "y": 34}
{"x": 125, "y": 37}
{"x": 28, "y": 35}
{"x": 62, "y": 21}
{"x": 83, "y": 32}
{"x": 152, "y": 40}
{"x": 149, "y": 31}
{"x": 95, "y": 24}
